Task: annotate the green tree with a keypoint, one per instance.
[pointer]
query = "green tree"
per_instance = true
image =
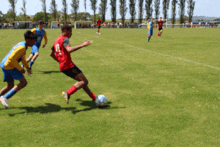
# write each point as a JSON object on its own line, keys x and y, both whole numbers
{"x": 113, "y": 10}
{"x": 140, "y": 16}
{"x": 173, "y": 17}
{"x": 64, "y": 10}
{"x": 53, "y": 9}
{"x": 22, "y": 17}
{"x": 2, "y": 17}
{"x": 75, "y": 7}
{"x": 149, "y": 9}
{"x": 182, "y": 10}
{"x": 132, "y": 10}
{"x": 93, "y": 6}
{"x": 12, "y": 9}
{"x": 44, "y": 10}
{"x": 102, "y": 9}
{"x": 24, "y": 9}
{"x": 123, "y": 10}
{"x": 9, "y": 16}
{"x": 165, "y": 8}
{"x": 39, "y": 16}
{"x": 191, "y": 6}
{"x": 157, "y": 8}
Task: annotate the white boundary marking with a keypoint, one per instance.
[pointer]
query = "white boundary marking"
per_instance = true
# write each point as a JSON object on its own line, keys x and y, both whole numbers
{"x": 206, "y": 65}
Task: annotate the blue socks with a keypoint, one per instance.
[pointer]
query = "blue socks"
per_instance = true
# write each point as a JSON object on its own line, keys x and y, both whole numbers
{"x": 148, "y": 38}
{"x": 31, "y": 63}
{"x": 9, "y": 94}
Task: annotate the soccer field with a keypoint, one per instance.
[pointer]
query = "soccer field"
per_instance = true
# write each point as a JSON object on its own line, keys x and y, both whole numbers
{"x": 160, "y": 93}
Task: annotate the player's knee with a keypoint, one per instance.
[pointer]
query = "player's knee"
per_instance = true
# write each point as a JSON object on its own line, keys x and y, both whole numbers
{"x": 24, "y": 83}
{"x": 10, "y": 86}
{"x": 36, "y": 54}
{"x": 86, "y": 82}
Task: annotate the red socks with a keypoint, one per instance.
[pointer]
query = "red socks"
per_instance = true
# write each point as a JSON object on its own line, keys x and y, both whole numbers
{"x": 72, "y": 90}
{"x": 92, "y": 95}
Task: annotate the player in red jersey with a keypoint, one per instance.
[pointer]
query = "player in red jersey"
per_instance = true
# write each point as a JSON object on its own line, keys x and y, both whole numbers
{"x": 160, "y": 26}
{"x": 98, "y": 25}
{"x": 61, "y": 53}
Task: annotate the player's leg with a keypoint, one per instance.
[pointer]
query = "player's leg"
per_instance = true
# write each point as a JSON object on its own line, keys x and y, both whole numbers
{"x": 9, "y": 86}
{"x": 7, "y": 77}
{"x": 77, "y": 74}
{"x": 35, "y": 53}
{"x": 29, "y": 58}
{"x": 89, "y": 92}
{"x": 99, "y": 29}
{"x": 13, "y": 74}
{"x": 161, "y": 31}
{"x": 148, "y": 38}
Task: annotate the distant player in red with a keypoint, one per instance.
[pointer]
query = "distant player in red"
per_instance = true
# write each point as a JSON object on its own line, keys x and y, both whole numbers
{"x": 160, "y": 26}
{"x": 98, "y": 25}
{"x": 61, "y": 53}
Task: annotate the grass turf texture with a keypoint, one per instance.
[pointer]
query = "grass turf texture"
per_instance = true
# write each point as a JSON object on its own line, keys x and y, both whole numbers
{"x": 161, "y": 93}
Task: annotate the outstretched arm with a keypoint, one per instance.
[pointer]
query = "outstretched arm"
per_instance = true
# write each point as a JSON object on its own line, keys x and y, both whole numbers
{"x": 74, "y": 48}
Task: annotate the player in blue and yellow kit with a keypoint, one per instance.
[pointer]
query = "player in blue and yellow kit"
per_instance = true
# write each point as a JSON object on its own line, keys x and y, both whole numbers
{"x": 150, "y": 28}
{"x": 12, "y": 70}
{"x": 41, "y": 33}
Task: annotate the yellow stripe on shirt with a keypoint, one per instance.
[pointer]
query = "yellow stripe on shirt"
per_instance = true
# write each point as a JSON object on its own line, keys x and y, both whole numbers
{"x": 12, "y": 60}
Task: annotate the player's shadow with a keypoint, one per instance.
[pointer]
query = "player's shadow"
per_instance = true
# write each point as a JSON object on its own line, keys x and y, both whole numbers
{"x": 46, "y": 72}
{"x": 49, "y": 108}
{"x": 91, "y": 105}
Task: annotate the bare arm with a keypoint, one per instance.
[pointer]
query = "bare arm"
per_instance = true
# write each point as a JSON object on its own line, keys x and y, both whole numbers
{"x": 74, "y": 48}
{"x": 52, "y": 54}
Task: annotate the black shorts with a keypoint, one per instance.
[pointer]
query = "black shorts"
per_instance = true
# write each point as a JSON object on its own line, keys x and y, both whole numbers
{"x": 72, "y": 72}
{"x": 160, "y": 29}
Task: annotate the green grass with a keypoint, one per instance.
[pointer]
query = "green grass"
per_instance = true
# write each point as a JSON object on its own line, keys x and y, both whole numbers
{"x": 161, "y": 93}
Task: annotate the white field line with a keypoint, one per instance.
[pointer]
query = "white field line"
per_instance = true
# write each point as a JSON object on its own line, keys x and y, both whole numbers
{"x": 206, "y": 65}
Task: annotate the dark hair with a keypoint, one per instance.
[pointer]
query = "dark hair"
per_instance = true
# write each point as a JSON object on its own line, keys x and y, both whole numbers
{"x": 66, "y": 27}
{"x": 40, "y": 22}
{"x": 29, "y": 35}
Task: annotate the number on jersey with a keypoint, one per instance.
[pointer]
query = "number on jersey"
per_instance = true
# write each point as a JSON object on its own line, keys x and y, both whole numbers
{"x": 58, "y": 49}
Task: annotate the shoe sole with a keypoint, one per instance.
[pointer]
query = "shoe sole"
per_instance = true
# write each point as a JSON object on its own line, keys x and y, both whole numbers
{"x": 65, "y": 97}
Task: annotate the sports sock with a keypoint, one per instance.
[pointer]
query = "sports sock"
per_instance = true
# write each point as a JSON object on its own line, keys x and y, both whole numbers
{"x": 92, "y": 95}
{"x": 9, "y": 94}
{"x": 31, "y": 63}
{"x": 148, "y": 38}
{"x": 71, "y": 90}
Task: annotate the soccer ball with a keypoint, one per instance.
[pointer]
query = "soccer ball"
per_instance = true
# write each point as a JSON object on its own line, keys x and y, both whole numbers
{"x": 100, "y": 100}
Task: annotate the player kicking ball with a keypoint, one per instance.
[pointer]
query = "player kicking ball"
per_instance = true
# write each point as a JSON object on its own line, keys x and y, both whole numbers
{"x": 61, "y": 53}
{"x": 150, "y": 28}
{"x": 160, "y": 27}
{"x": 41, "y": 33}
{"x": 12, "y": 70}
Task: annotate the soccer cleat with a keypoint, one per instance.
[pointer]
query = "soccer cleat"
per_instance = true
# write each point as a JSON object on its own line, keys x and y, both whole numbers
{"x": 4, "y": 101}
{"x": 66, "y": 96}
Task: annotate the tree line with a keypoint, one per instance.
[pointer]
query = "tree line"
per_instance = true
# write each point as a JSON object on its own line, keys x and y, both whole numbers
{"x": 151, "y": 6}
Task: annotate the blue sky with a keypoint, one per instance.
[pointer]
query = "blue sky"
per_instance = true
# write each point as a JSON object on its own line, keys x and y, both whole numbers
{"x": 203, "y": 7}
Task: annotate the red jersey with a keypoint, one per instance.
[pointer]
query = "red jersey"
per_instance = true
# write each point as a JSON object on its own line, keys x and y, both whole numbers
{"x": 62, "y": 54}
{"x": 160, "y": 24}
{"x": 98, "y": 22}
